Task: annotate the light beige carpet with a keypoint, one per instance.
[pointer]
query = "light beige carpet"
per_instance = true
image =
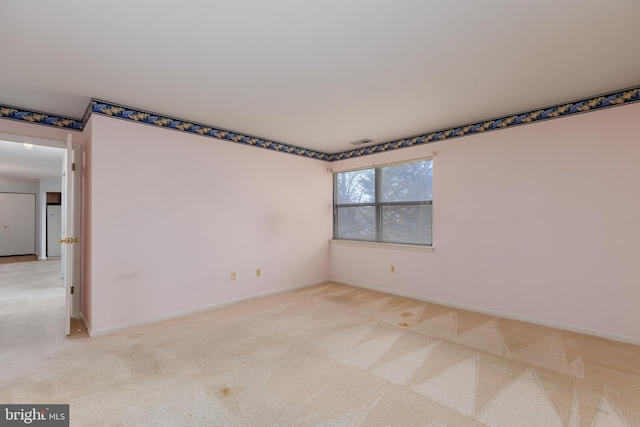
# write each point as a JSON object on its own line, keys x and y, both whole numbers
{"x": 327, "y": 355}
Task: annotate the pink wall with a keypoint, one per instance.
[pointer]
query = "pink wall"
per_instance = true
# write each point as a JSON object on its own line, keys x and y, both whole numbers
{"x": 172, "y": 215}
{"x": 538, "y": 222}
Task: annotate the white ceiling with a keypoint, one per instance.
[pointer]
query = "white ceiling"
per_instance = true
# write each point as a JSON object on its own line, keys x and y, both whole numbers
{"x": 19, "y": 164}
{"x": 317, "y": 74}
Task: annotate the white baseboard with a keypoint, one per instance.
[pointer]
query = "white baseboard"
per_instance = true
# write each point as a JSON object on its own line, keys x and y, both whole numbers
{"x": 503, "y": 314}
{"x": 110, "y": 330}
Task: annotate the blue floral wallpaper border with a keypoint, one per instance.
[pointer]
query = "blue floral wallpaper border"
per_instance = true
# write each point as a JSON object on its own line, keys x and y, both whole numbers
{"x": 613, "y": 99}
{"x": 109, "y": 109}
{"x": 18, "y": 114}
{"x": 626, "y": 96}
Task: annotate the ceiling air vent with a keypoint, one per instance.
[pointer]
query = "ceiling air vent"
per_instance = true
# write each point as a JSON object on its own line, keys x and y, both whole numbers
{"x": 361, "y": 141}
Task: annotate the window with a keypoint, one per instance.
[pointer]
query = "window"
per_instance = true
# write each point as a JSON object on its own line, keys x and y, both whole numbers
{"x": 391, "y": 204}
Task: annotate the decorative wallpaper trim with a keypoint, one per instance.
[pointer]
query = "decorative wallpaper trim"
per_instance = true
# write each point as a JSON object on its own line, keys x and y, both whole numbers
{"x": 626, "y": 96}
{"x": 105, "y": 108}
{"x": 22, "y": 115}
{"x": 109, "y": 109}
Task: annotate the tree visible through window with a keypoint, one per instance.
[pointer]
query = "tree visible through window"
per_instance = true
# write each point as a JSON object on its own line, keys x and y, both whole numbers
{"x": 390, "y": 204}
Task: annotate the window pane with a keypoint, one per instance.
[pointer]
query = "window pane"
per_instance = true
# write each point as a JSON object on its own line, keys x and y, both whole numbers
{"x": 355, "y": 186}
{"x": 409, "y": 182}
{"x": 357, "y": 223}
{"x": 407, "y": 224}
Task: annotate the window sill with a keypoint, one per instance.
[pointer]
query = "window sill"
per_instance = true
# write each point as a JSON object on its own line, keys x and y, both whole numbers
{"x": 381, "y": 245}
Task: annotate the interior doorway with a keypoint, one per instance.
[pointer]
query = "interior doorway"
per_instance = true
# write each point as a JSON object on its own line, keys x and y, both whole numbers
{"x": 43, "y": 165}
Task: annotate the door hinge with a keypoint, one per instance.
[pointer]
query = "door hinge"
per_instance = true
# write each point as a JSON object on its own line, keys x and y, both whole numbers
{"x": 73, "y": 166}
{"x": 72, "y": 290}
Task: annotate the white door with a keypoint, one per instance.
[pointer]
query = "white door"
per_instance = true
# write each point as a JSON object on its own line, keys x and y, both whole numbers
{"x": 6, "y": 221}
{"x": 54, "y": 230}
{"x": 25, "y": 224}
{"x": 71, "y": 222}
{"x": 18, "y": 224}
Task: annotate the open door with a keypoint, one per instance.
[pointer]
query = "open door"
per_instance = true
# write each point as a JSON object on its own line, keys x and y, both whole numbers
{"x": 69, "y": 239}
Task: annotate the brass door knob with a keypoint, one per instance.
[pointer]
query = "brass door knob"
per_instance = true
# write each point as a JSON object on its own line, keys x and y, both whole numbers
{"x": 69, "y": 240}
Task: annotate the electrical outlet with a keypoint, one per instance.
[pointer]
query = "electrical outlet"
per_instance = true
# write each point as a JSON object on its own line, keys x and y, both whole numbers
{"x": 258, "y": 272}
{"x": 234, "y": 276}
{"x": 393, "y": 268}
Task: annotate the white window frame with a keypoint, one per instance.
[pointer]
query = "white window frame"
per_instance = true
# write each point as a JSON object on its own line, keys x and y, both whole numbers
{"x": 378, "y": 205}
